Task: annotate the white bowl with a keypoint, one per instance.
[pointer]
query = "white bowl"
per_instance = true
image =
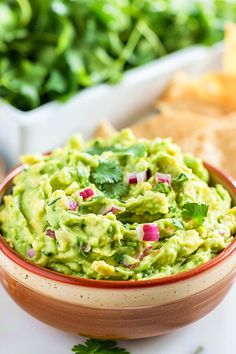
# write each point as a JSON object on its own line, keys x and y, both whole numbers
{"x": 50, "y": 125}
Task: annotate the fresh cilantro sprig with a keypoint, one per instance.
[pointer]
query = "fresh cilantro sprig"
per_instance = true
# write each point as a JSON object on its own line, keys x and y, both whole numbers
{"x": 116, "y": 190}
{"x": 93, "y": 346}
{"x": 195, "y": 212}
{"x": 108, "y": 178}
{"x": 107, "y": 172}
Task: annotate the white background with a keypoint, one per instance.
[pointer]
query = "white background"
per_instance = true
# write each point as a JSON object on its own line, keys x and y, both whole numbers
{"x": 21, "y": 334}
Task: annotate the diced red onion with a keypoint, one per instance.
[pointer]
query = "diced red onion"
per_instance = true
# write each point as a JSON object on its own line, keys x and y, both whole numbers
{"x": 111, "y": 209}
{"x": 50, "y": 233}
{"x": 163, "y": 177}
{"x": 136, "y": 177}
{"x": 86, "y": 193}
{"x": 131, "y": 178}
{"x": 148, "y": 232}
{"x": 31, "y": 252}
{"x": 73, "y": 205}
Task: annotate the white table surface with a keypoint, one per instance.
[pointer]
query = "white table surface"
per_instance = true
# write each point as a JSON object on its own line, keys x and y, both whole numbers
{"x": 22, "y": 334}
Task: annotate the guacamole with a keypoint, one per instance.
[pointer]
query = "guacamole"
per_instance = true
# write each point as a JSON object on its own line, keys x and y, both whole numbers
{"x": 119, "y": 208}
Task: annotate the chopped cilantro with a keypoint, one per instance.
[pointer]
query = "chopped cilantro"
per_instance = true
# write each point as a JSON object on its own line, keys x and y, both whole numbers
{"x": 97, "y": 149}
{"x": 116, "y": 190}
{"x": 162, "y": 188}
{"x": 180, "y": 178}
{"x": 106, "y": 172}
{"x": 120, "y": 258}
{"x": 108, "y": 178}
{"x": 195, "y": 211}
{"x": 93, "y": 346}
{"x": 54, "y": 201}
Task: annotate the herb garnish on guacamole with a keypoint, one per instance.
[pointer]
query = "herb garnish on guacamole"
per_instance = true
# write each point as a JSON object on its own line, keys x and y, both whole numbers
{"x": 120, "y": 208}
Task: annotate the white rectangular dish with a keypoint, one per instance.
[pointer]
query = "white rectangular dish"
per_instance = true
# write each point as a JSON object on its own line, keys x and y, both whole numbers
{"x": 50, "y": 125}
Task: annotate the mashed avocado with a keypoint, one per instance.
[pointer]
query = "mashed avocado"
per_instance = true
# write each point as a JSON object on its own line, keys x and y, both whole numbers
{"x": 117, "y": 208}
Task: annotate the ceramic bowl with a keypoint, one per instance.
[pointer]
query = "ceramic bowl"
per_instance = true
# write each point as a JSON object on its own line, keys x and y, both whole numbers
{"x": 118, "y": 309}
{"x": 2, "y": 169}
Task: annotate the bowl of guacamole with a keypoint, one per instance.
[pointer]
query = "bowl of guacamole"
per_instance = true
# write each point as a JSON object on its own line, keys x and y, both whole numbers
{"x": 117, "y": 233}
{"x": 116, "y": 209}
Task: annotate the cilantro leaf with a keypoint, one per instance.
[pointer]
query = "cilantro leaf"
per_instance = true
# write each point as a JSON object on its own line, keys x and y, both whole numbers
{"x": 106, "y": 172}
{"x": 162, "y": 188}
{"x": 116, "y": 190}
{"x": 180, "y": 178}
{"x": 97, "y": 149}
{"x": 93, "y": 346}
{"x": 196, "y": 212}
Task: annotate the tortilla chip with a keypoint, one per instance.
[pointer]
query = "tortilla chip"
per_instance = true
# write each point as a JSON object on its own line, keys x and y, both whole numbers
{"x": 229, "y": 57}
{"x": 171, "y": 124}
{"x": 105, "y": 130}
{"x": 210, "y": 139}
{"x": 212, "y": 94}
{"x": 202, "y": 144}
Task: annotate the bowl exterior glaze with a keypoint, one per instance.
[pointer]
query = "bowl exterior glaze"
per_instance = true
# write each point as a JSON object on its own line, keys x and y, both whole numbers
{"x": 118, "y": 310}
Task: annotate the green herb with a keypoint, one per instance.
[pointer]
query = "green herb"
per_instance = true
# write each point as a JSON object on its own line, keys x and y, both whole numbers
{"x": 199, "y": 350}
{"x": 106, "y": 172}
{"x": 116, "y": 190}
{"x": 97, "y": 149}
{"x": 108, "y": 178}
{"x": 162, "y": 188}
{"x": 196, "y": 212}
{"x": 119, "y": 257}
{"x": 180, "y": 178}
{"x": 54, "y": 201}
{"x": 52, "y": 49}
{"x": 93, "y": 346}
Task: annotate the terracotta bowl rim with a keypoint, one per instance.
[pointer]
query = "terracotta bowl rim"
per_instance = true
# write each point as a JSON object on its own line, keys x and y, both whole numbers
{"x": 117, "y": 284}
